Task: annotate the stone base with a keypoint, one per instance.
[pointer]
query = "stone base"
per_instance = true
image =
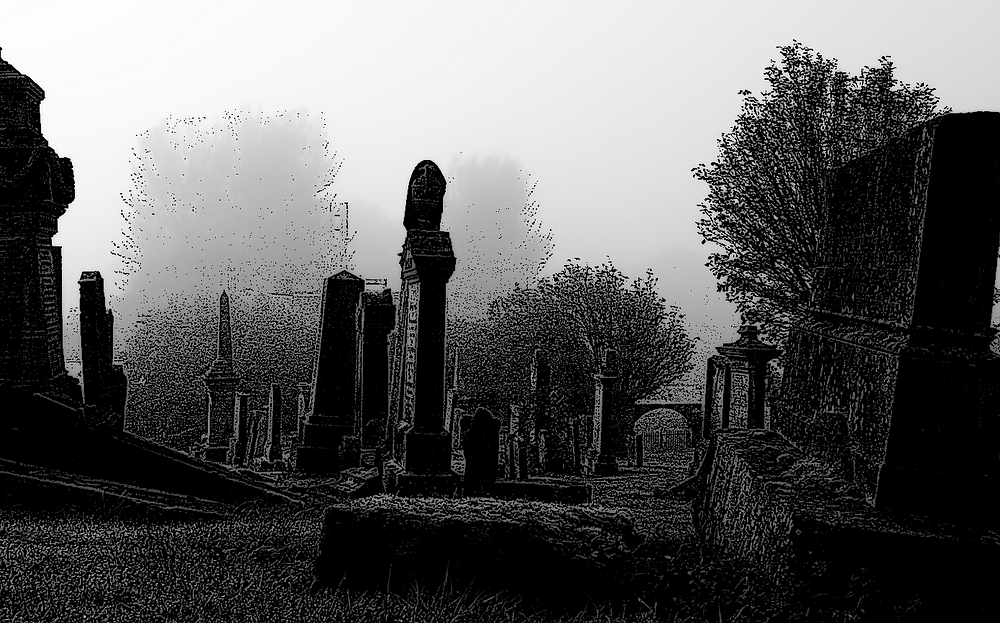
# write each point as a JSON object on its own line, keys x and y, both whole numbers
{"x": 263, "y": 465}
{"x": 811, "y": 536}
{"x": 396, "y": 480}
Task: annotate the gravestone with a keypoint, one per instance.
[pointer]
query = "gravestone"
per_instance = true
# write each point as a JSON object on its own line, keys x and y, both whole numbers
{"x": 451, "y": 401}
{"x": 890, "y": 378}
{"x": 378, "y": 316}
{"x": 272, "y": 449}
{"x": 241, "y": 426}
{"x": 420, "y": 445}
{"x": 221, "y": 381}
{"x": 736, "y": 383}
{"x": 37, "y": 187}
{"x": 104, "y": 383}
{"x": 302, "y": 410}
{"x": 638, "y": 444}
{"x": 482, "y": 452}
{"x": 334, "y": 396}
{"x": 539, "y": 400}
{"x": 605, "y": 462}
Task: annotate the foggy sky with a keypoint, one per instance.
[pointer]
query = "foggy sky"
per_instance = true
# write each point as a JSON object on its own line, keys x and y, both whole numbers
{"x": 608, "y": 106}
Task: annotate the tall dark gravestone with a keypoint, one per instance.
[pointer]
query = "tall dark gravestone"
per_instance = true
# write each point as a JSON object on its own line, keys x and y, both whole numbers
{"x": 36, "y": 187}
{"x": 221, "y": 381}
{"x": 272, "y": 448}
{"x": 891, "y": 377}
{"x": 104, "y": 383}
{"x": 334, "y": 399}
{"x": 377, "y": 320}
{"x": 543, "y": 433}
{"x": 241, "y": 424}
{"x": 421, "y": 447}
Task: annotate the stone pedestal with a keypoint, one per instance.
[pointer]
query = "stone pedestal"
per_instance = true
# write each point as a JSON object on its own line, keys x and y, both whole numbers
{"x": 420, "y": 444}
{"x": 241, "y": 424}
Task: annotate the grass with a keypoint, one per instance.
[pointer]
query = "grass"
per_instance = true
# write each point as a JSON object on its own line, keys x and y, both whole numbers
{"x": 259, "y": 567}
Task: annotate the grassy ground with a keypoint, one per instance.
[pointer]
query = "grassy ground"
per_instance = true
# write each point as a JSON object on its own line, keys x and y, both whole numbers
{"x": 258, "y": 567}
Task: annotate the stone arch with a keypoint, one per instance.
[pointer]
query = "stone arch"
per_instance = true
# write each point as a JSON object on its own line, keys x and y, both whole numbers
{"x": 663, "y": 430}
{"x": 691, "y": 411}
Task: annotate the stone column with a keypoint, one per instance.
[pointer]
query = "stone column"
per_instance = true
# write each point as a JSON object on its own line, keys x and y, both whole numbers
{"x": 305, "y": 391}
{"x": 94, "y": 351}
{"x": 37, "y": 188}
{"x": 606, "y": 463}
{"x": 421, "y": 445}
{"x": 638, "y": 443}
{"x": 540, "y": 385}
{"x": 377, "y": 320}
{"x": 335, "y": 382}
{"x": 221, "y": 381}
{"x": 272, "y": 449}
{"x": 241, "y": 424}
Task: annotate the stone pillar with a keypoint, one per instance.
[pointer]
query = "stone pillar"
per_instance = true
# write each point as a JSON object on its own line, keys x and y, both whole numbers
{"x": 540, "y": 386}
{"x": 738, "y": 382}
{"x": 638, "y": 444}
{"x": 305, "y": 391}
{"x": 94, "y": 353}
{"x": 221, "y": 381}
{"x": 272, "y": 449}
{"x": 606, "y": 463}
{"x": 241, "y": 424}
{"x": 334, "y": 405}
{"x": 421, "y": 446}
{"x": 377, "y": 319}
{"x": 37, "y": 188}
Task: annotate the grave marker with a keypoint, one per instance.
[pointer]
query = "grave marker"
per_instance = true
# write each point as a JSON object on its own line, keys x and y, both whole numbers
{"x": 334, "y": 396}
{"x": 605, "y": 463}
{"x": 482, "y": 453}
{"x": 890, "y": 376}
{"x": 421, "y": 446}
{"x": 221, "y": 381}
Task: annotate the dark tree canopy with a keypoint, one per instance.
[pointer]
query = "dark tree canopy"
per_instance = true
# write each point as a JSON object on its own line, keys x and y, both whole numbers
{"x": 767, "y": 188}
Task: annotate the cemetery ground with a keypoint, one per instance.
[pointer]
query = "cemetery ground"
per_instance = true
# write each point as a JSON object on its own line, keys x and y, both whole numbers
{"x": 258, "y": 566}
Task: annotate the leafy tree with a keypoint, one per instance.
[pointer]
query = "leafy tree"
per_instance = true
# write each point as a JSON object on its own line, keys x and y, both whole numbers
{"x": 241, "y": 204}
{"x": 575, "y": 315}
{"x": 767, "y": 189}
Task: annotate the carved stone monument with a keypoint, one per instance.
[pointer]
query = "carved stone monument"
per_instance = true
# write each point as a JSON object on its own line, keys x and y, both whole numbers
{"x": 420, "y": 445}
{"x": 377, "y": 319}
{"x": 104, "y": 382}
{"x": 334, "y": 402}
{"x": 891, "y": 376}
{"x": 272, "y": 448}
{"x": 221, "y": 381}
{"x": 736, "y": 383}
{"x": 241, "y": 424}
{"x": 36, "y": 186}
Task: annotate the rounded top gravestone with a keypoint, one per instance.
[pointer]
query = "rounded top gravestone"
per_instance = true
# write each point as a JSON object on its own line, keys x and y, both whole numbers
{"x": 425, "y": 197}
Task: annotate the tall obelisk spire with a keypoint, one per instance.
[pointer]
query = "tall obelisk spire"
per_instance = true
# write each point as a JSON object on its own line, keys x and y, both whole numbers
{"x": 225, "y": 352}
{"x": 221, "y": 381}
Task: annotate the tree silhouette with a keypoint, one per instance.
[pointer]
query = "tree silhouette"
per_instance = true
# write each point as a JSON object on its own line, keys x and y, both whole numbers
{"x": 767, "y": 188}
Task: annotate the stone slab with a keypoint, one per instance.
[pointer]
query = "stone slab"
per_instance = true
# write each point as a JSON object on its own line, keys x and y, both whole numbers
{"x": 766, "y": 503}
{"x": 543, "y": 490}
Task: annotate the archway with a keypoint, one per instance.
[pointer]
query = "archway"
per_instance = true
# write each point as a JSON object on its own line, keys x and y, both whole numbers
{"x": 663, "y": 430}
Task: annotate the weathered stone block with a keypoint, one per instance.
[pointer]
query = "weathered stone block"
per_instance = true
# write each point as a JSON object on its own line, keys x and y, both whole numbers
{"x": 549, "y": 555}
{"x": 765, "y": 502}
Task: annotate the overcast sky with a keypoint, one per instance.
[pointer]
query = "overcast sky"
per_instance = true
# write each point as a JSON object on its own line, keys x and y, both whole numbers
{"x": 608, "y": 105}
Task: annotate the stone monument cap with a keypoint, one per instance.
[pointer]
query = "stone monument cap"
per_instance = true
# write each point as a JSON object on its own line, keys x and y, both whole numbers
{"x": 425, "y": 197}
